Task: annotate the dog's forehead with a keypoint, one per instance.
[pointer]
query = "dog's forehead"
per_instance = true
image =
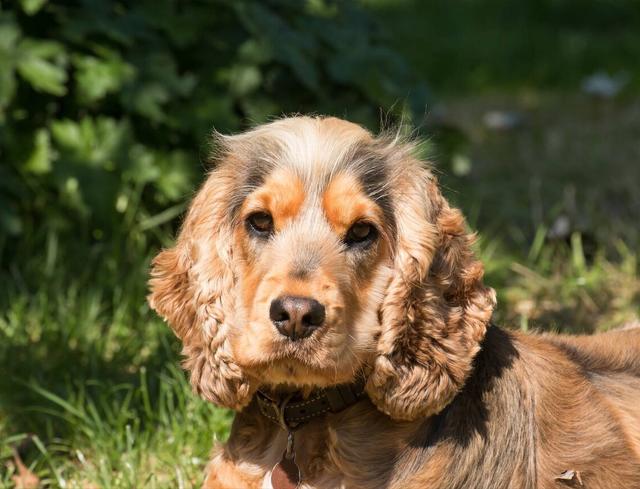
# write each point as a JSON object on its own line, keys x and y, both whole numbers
{"x": 311, "y": 152}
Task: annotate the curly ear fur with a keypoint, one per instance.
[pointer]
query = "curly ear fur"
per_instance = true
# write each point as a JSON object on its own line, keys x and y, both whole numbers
{"x": 190, "y": 287}
{"x": 436, "y": 309}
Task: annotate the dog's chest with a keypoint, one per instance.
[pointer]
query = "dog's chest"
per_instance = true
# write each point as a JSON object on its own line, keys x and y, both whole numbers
{"x": 347, "y": 454}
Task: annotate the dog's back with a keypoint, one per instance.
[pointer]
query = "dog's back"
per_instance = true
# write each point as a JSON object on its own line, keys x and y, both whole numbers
{"x": 587, "y": 391}
{"x": 542, "y": 407}
{"x": 611, "y": 362}
{"x": 617, "y": 351}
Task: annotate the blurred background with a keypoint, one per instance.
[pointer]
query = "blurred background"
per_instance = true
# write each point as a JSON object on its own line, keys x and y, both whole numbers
{"x": 529, "y": 109}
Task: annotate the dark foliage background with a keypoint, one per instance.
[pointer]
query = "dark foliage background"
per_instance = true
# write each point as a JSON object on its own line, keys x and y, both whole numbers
{"x": 105, "y": 108}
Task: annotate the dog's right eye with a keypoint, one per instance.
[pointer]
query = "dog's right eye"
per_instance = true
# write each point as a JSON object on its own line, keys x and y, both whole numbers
{"x": 260, "y": 223}
{"x": 361, "y": 234}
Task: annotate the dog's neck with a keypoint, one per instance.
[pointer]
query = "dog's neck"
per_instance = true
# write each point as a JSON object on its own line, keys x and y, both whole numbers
{"x": 291, "y": 408}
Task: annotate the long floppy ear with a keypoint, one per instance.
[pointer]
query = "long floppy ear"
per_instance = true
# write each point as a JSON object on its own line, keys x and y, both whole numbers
{"x": 191, "y": 288}
{"x": 436, "y": 308}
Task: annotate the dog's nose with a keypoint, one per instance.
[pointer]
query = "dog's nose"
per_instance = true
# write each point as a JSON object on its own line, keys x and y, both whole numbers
{"x": 296, "y": 317}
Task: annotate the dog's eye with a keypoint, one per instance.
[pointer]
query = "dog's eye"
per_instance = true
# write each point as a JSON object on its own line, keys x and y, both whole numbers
{"x": 361, "y": 233}
{"x": 261, "y": 223}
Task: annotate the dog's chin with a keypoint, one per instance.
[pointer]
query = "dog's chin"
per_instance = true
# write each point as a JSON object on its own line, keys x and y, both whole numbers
{"x": 297, "y": 374}
{"x": 306, "y": 366}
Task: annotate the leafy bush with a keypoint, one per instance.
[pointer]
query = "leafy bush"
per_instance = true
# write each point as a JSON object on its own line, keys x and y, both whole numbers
{"x": 105, "y": 106}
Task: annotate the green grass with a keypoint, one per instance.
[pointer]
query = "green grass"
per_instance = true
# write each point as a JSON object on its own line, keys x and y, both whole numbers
{"x": 90, "y": 389}
{"x": 92, "y": 393}
{"x": 100, "y": 434}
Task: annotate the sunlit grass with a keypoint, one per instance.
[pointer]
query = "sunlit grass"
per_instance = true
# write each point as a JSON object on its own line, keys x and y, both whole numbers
{"x": 123, "y": 435}
{"x": 557, "y": 288}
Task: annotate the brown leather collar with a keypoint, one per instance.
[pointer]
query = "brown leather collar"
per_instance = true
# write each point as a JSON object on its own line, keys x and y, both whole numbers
{"x": 291, "y": 411}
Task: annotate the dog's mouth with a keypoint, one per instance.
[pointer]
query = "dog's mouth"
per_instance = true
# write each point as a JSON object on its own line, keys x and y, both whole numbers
{"x": 308, "y": 352}
{"x": 323, "y": 358}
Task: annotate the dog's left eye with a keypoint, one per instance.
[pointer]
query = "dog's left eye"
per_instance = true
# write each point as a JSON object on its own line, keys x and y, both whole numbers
{"x": 361, "y": 233}
{"x": 261, "y": 223}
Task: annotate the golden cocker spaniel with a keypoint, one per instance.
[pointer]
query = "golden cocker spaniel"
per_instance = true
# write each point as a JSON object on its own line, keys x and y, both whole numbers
{"x": 327, "y": 292}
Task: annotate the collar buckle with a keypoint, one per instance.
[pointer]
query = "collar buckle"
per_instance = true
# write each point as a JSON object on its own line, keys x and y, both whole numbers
{"x": 275, "y": 411}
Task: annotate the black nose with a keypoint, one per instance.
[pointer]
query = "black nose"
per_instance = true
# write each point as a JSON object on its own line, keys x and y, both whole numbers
{"x": 296, "y": 317}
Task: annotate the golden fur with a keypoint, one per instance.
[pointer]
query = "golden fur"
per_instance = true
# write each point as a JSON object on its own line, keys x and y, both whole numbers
{"x": 452, "y": 402}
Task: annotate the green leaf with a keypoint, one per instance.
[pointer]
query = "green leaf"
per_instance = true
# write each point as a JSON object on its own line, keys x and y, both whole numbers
{"x": 31, "y": 7}
{"x": 254, "y": 52}
{"x": 157, "y": 84}
{"x": 290, "y": 47}
{"x": 39, "y": 161}
{"x": 43, "y": 65}
{"x": 142, "y": 165}
{"x": 149, "y": 101}
{"x": 177, "y": 175}
{"x": 96, "y": 77}
{"x": 244, "y": 79}
{"x": 67, "y": 133}
{"x": 9, "y": 34}
{"x": 43, "y": 76}
{"x": 91, "y": 142}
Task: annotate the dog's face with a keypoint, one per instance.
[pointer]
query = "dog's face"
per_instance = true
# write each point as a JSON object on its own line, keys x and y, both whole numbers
{"x": 316, "y": 252}
{"x": 313, "y": 262}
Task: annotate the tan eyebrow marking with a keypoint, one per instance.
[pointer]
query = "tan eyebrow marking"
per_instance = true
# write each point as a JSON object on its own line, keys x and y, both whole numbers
{"x": 344, "y": 202}
{"x": 282, "y": 195}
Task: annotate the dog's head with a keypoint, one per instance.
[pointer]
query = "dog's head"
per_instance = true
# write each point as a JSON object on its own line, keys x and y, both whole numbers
{"x": 315, "y": 252}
